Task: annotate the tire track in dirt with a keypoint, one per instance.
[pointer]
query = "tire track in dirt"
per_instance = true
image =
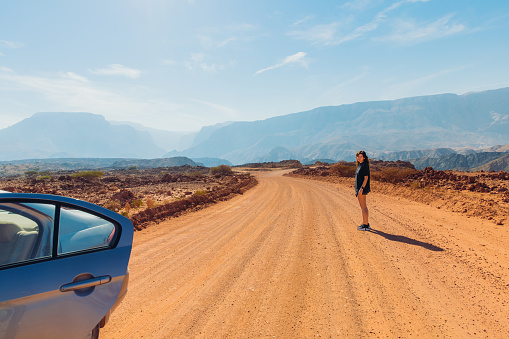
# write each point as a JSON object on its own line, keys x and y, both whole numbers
{"x": 285, "y": 260}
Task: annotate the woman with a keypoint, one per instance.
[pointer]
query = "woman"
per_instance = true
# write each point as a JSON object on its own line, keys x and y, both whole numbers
{"x": 362, "y": 179}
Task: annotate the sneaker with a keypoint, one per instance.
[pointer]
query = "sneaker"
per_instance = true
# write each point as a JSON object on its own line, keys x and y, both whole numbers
{"x": 367, "y": 227}
{"x": 363, "y": 227}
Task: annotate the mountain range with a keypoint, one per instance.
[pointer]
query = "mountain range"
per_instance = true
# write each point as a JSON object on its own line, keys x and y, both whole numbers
{"x": 473, "y": 120}
{"x": 409, "y": 128}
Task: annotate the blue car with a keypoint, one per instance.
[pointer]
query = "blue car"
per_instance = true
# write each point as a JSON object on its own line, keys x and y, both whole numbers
{"x": 63, "y": 266}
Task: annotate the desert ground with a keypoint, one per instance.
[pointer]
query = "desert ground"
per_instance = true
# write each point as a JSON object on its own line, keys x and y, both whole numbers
{"x": 284, "y": 260}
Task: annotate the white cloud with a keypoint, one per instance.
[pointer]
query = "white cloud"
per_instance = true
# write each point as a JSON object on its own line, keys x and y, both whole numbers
{"x": 317, "y": 34}
{"x": 169, "y": 62}
{"x": 327, "y": 34}
{"x": 73, "y": 76}
{"x": 297, "y": 58}
{"x": 226, "y": 41}
{"x": 197, "y": 61}
{"x": 357, "y": 4}
{"x": 116, "y": 69}
{"x": 10, "y": 44}
{"x": 380, "y": 17}
{"x": 410, "y": 32}
{"x": 301, "y": 21}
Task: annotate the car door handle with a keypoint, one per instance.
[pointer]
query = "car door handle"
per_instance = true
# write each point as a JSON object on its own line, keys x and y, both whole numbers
{"x": 85, "y": 283}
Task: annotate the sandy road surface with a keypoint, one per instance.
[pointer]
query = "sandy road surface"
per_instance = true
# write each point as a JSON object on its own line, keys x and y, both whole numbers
{"x": 285, "y": 260}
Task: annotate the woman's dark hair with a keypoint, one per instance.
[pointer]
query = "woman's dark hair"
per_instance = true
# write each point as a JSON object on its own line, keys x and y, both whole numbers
{"x": 366, "y": 160}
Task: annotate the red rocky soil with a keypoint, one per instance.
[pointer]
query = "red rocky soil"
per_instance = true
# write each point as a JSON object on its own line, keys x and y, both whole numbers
{"x": 475, "y": 194}
{"x": 144, "y": 195}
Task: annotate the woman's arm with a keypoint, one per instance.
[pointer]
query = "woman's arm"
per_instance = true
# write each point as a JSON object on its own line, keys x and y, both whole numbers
{"x": 364, "y": 183}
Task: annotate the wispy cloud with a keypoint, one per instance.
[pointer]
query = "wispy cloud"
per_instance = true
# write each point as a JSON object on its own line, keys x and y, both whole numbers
{"x": 319, "y": 34}
{"x": 68, "y": 91}
{"x": 410, "y": 32}
{"x": 73, "y": 76}
{"x": 116, "y": 69}
{"x": 328, "y": 34}
{"x": 10, "y": 44}
{"x": 226, "y": 41}
{"x": 197, "y": 61}
{"x": 219, "y": 37}
{"x": 297, "y": 58}
{"x": 358, "y": 4}
{"x": 229, "y": 112}
{"x": 379, "y": 18}
{"x": 403, "y": 89}
{"x": 301, "y": 21}
{"x": 169, "y": 62}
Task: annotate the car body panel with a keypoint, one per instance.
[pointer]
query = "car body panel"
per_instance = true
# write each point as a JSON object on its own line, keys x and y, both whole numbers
{"x": 32, "y": 303}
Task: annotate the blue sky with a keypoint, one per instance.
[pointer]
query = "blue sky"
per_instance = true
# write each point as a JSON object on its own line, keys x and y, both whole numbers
{"x": 183, "y": 64}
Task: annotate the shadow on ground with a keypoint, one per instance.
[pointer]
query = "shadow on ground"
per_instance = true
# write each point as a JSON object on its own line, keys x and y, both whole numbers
{"x": 406, "y": 240}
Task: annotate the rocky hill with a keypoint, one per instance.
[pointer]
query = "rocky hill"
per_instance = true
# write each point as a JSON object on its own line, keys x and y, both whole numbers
{"x": 444, "y": 121}
{"x": 459, "y": 162}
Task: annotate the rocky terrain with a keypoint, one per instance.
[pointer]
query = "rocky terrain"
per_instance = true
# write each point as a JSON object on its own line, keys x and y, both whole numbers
{"x": 480, "y": 194}
{"x": 285, "y": 260}
{"x": 143, "y": 195}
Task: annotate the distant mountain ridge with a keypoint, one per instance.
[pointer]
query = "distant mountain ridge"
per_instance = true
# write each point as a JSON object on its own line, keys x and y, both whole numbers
{"x": 460, "y": 162}
{"x": 62, "y": 134}
{"x": 473, "y": 120}
{"x": 425, "y": 126}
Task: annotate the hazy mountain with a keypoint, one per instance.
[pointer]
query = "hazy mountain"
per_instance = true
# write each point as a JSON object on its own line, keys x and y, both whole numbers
{"x": 426, "y": 126}
{"x": 462, "y": 162}
{"x": 68, "y": 135}
{"x": 499, "y": 164}
{"x": 277, "y": 154}
{"x": 153, "y": 163}
{"x": 167, "y": 140}
{"x": 75, "y": 164}
{"x": 211, "y": 162}
{"x": 471, "y": 120}
{"x": 414, "y": 154}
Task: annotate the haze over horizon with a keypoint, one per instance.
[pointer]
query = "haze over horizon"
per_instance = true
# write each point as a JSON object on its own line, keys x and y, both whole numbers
{"x": 179, "y": 65}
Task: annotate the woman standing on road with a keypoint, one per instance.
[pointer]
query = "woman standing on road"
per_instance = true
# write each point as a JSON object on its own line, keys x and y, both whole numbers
{"x": 362, "y": 179}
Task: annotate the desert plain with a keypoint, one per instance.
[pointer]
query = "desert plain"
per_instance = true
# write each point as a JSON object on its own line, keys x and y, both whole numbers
{"x": 284, "y": 260}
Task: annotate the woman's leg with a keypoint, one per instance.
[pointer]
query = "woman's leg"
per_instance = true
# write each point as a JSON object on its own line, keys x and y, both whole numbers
{"x": 364, "y": 208}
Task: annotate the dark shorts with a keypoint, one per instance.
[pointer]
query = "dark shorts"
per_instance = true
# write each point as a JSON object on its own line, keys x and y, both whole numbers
{"x": 363, "y": 193}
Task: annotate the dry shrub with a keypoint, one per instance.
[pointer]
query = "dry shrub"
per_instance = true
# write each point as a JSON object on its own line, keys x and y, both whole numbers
{"x": 88, "y": 174}
{"x": 393, "y": 175}
{"x": 195, "y": 174}
{"x": 200, "y": 192}
{"x": 112, "y": 205}
{"x": 137, "y": 203}
{"x": 150, "y": 202}
{"x": 343, "y": 170}
{"x": 221, "y": 170}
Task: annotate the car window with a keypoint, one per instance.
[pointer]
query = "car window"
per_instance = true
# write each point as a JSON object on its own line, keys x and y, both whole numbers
{"x": 80, "y": 230}
{"x": 25, "y": 232}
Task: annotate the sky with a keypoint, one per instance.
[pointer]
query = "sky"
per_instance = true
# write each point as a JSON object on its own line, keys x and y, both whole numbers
{"x": 179, "y": 65}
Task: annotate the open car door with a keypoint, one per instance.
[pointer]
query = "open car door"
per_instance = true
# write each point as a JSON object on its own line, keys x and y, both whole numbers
{"x": 63, "y": 265}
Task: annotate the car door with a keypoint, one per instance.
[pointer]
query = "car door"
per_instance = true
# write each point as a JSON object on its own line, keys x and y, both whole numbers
{"x": 63, "y": 265}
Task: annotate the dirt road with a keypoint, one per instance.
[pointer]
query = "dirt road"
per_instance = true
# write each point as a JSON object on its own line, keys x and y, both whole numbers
{"x": 285, "y": 260}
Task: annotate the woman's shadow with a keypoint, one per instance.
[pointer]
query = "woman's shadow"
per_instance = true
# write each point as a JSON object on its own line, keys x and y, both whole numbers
{"x": 406, "y": 240}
